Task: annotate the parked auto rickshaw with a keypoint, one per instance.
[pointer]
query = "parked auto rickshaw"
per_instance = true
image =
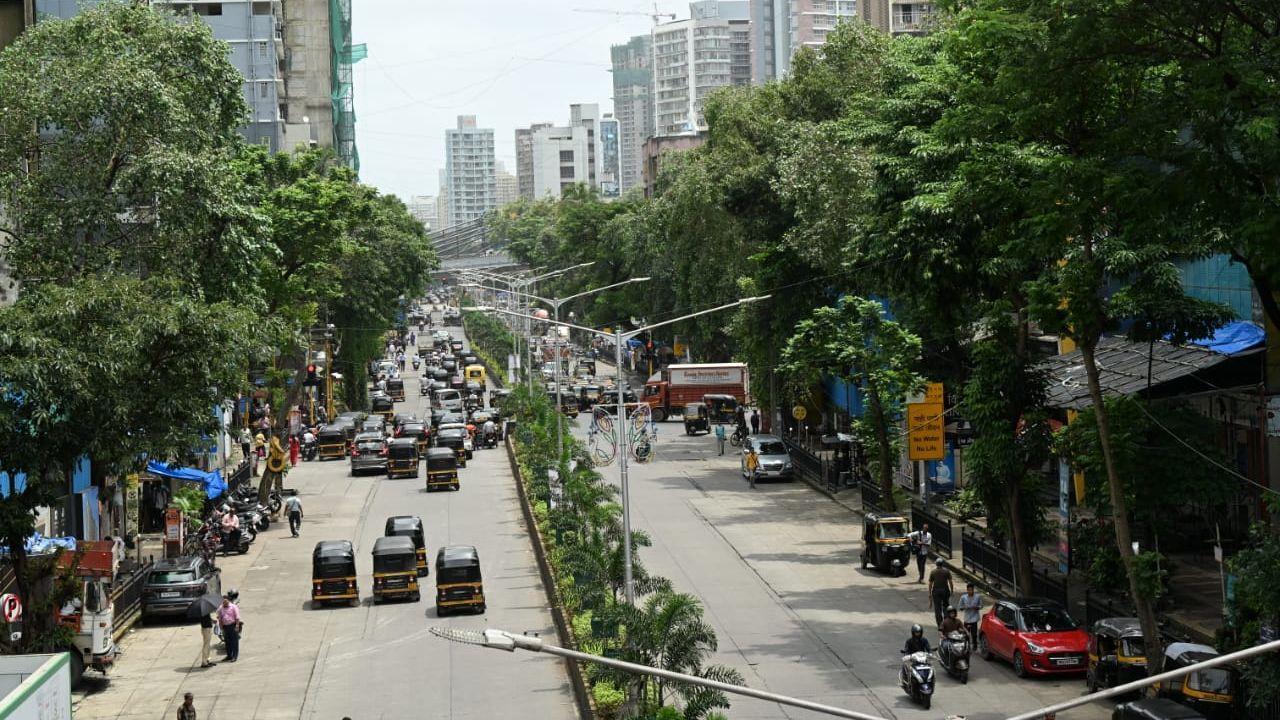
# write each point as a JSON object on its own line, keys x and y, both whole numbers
{"x": 1154, "y": 709}
{"x": 331, "y": 442}
{"x": 333, "y": 572}
{"x": 1210, "y": 691}
{"x": 395, "y": 388}
{"x": 696, "y": 418}
{"x": 1116, "y": 653}
{"x": 455, "y": 439}
{"x": 884, "y": 543}
{"x": 410, "y": 526}
{"x": 402, "y": 458}
{"x": 568, "y": 402}
{"x": 588, "y": 396}
{"x": 458, "y": 581}
{"x": 395, "y": 569}
{"x": 720, "y": 408}
{"x": 475, "y": 373}
{"x": 373, "y": 424}
{"x": 442, "y": 468}
{"x": 382, "y": 404}
{"x": 349, "y": 426}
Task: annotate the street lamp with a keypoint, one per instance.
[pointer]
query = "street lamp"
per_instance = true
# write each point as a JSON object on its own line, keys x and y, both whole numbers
{"x": 503, "y": 640}
{"x": 624, "y": 441}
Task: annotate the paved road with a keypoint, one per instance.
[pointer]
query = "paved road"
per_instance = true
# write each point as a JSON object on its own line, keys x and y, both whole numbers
{"x": 371, "y": 661}
{"x": 777, "y": 570}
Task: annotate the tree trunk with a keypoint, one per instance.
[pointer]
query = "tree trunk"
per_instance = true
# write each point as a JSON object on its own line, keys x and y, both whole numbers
{"x": 31, "y": 625}
{"x": 883, "y": 450}
{"x": 1120, "y": 512}
{"x": 1020, "y": 550}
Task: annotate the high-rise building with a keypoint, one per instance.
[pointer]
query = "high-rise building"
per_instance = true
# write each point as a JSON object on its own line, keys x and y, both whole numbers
{"x": 470, "y": 169}
{"x": 442, "y": 201}
{"x": 632, "y": 105}
{"x": 524, "y": 159}
{"x": 811, "y": 20}
{"x": 610, "y": 172}
{"x": 692, "y": 58}
{"x": 900, "y": 17}
{"x": 308, "y": 104}
{"x": 424, "y": 209}
{"x": 560, "y": 159}
{"x": 507, "y": 188}
{"x": 587, "y": 115}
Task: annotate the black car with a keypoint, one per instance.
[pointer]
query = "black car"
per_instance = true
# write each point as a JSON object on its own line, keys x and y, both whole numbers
{"x": 369, "y": 452}
{"x": 173, "y": 583}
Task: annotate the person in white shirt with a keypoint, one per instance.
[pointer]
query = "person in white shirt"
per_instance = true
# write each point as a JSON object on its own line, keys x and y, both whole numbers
{"x": 970, "y": 603}
{"x": 921, "y": 540}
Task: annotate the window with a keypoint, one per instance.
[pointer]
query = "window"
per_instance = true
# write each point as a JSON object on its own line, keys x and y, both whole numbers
{"x": 262, "y": 89}
{"x": 566, "y": 156}
{"x": 566, "y": 173}
{"x": 1004, "y": 614}
{"x": 262, "y": 50}
{"x": 213, "y": 9}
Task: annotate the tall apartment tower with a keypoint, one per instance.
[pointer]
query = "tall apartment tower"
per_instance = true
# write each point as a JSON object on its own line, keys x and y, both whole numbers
{"x": 900, "y": 17}
{"x": 524, "y": 159}
{"x": 442, "y": 201}
{"x": 692, "y": 58}
{"x": 308, "y": 106}
{"x": 470, "y": 169}
{"x": 507, "y": 188}
{"x": 633, "y": 105}
{"x": 587, "y": 115}
{"x": 610, "y": 160}
{"x": 560, "y": 159}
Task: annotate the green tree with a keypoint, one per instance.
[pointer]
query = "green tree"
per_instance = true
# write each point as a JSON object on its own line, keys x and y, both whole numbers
{"x": 855, "y": 342}
{"x": 1257, "y": 605}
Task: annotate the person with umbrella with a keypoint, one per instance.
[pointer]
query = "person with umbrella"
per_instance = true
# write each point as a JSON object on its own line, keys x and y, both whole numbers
{"x": 204, "y": 607}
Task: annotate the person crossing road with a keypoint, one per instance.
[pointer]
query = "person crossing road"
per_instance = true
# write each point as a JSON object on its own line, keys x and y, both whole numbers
{"x": 293, "y": 506}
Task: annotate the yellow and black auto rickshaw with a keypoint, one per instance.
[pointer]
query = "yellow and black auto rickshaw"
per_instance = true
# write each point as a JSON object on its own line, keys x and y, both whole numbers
{"x": 395, "y": 388}
{"x": 442, "y": 468}
{"x": 884, "y": 543}
{"x": 720, "y": 408}
{"x": 1117, "y": 654}
{"x": 331, "y": 443}
{"x": 475, "y": 373}
{"x": 454, "y": 438}
{"x": 696, "y": 418}
{"x": 381, "y": 404}
{"x": 410, "y": 526}
{"x": 458, "y": 581}
{"x": 395, "y": 569}
{"x": 1210, "y": 691}
{"x": 333, "y": 573}
{"x": 402, "y": 458}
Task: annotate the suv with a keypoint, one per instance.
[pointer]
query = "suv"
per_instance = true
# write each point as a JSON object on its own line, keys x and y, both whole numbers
{"x": 173, "y": 583}
{"x": 775, "y": 461}
{"x": 369, "y": 452}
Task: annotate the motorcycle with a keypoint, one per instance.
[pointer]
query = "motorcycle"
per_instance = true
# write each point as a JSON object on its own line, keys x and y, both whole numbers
{"x": 953, "y": 655}
{"x": 489, "y": 439}
{"x": 309, "y": 449}
{"x": 916, "y": 677}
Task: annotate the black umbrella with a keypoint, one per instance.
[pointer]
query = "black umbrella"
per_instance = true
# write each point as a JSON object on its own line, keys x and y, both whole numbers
{"x": 203, "y": 605}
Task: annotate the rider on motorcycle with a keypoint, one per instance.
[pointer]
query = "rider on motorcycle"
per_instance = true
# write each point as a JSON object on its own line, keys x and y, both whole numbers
{"x": 951, "y": 623}
{"x": 917, "y": 642}
{"x": 490, "y": 431}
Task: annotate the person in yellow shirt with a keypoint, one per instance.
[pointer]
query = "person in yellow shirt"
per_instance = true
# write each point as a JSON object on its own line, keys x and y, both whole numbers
{"x": 753, "y": 464}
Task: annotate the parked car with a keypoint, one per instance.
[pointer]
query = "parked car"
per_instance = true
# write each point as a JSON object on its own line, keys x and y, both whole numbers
{"x": 174, "y": 582}
{"x": 1036, "y": 635}
{"x": 369, "y": 452}
{"x": 775, "y": 461}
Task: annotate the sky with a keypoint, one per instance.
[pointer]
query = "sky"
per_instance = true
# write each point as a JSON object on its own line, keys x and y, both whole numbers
{"x": 508, "y": 62}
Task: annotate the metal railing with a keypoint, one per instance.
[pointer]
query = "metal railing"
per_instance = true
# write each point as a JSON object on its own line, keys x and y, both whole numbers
{"x": 872, "y": 497}
{"x": 126, "y": 600}
{"x": 994, "y": 565}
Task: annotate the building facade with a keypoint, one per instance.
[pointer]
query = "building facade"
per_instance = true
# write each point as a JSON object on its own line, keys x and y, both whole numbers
{"x": 610, "y": 172}
{"x": 524, "y": 159}
{"x": 632, "y": 105}
{"x": 308, "y": 102}
{"x": 694, "y": 57}
{"x": 560, "y": 159}
{"x": 899, "y": 17}
{"x": 506, "y": 186}
{"x": 423, "y": 208}
{"x": 656, "y": 149}
{"x": 470, "y": 170}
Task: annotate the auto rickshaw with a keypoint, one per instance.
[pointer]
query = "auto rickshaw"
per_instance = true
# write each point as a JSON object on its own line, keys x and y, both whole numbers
{"x": 333, "y": 572}
{"x": 410, "y": 526}
{"x": 720, "y": 408}
{"x": 568, "y": 403}
{"x": 458, "y": 581}
{"x": 395, "y": 388}
{"x": 331, "y": 442}
{"x": 588, "y": 396}
{"x": 349, "y": 426}
{"x": 1154, "y": 709}
{"x": 696, "y": 417}
{"x": 475, "y": 373}
{"x": 1210, "y": 691}
{"x": 373, "y": 424}
{"x": 402, "y": 458}
{"x": 383, "y": 405}
{"x": 1116, "y": 653}
{"x": 442, "y": 468}
{"x": 884, "y": 543}
{"x": 395, "y": 569}
{"x": 455, "y": 439}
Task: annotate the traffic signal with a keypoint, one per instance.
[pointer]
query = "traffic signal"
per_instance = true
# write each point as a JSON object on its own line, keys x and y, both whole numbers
{"x": 311, "y": 375}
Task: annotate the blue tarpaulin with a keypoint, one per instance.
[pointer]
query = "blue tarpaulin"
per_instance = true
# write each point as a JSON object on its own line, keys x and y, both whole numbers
{"x": 213, "y": 483}
{"x": 1233, "y": 338}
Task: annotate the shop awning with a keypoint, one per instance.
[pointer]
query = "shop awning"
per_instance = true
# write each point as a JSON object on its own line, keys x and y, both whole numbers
{"x": 212, "y": 482}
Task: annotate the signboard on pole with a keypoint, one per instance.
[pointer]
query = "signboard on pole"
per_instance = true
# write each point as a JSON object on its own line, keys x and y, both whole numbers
{"x": 925, "y": 426}
{"x": 1064, "y": 517}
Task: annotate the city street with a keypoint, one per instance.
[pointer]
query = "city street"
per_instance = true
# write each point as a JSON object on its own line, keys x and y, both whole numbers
{"x": 777, "y": 571}
{"x": 371, "y": 661}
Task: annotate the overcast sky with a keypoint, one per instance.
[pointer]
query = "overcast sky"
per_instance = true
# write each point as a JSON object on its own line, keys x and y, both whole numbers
{"x": 509, "y": 62}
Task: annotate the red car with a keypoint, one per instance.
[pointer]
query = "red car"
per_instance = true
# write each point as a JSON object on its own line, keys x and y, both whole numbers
{"x": 1036, "y": 635}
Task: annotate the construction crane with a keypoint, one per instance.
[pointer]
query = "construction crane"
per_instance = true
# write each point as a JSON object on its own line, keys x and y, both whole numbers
{"x": 655, "y": 15}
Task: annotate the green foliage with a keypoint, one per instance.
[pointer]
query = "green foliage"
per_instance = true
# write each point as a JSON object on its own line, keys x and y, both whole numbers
{"x": 607, "y": 698}
{"x": 1257, "y": 605}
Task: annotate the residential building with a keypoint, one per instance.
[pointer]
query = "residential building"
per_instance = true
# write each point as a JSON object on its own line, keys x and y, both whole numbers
{"x": 898, "y": 17}
{"x": 442, "y": 201}
{"x": 694, "y": 57}
{"x": 587, "y": 115}
{"x": 632, "y": 105}
{"x": 655, "y": 150}
{"x": 424, "y": 209}
{"x": 524, "y": 159}
{"x": 308, "y": 104}
{"x": 470, "y": 169}
{"x": 610, "y": 171}
{"x": 506, "y": 186}
{"x": 560, "y": 159}
{"x": 810, "y": 20}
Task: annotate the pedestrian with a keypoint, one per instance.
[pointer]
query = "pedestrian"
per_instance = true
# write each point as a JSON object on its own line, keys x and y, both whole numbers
{"x": 295, "y": 449}
{"x": 187, "y": 710}
{"x": 755, "y": 422}
{"x": 753, "y": 464}
{"x": 229, "y": 621}
{"x": 921, "y": 540}
{"x": 293, "y": 506}
{"x": 206, "y": 639}
{"x": 720, "y": 437}
{"x": 940, "y": 591}
{"x": 230, "y": 525}
{"x": 260, "y": 444}
{"x": 970, "y": 604}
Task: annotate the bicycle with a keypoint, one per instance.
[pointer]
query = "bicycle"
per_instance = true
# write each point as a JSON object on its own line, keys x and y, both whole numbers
{"x": 737, "y": 437}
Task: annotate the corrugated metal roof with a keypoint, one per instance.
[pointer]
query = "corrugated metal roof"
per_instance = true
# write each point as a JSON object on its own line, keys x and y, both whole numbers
{"x": 1122, "y": 368}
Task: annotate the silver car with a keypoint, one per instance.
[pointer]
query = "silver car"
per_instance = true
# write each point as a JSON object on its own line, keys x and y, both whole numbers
{"x": 775, "y": 461}
{"x": 369, "y": 452}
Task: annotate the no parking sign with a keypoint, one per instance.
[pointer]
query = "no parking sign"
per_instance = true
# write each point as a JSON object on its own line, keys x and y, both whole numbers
{"x": 11, "y": 607}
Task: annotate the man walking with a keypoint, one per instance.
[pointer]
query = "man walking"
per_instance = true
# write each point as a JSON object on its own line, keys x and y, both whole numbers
{"x": 755, "y": 422}
{"x": 293, "y": 506}
{"x": 187, "y": 710}
{"x": 940, "y": 591}
{"x": 921, "y": 541}
{"x": 229, "y": 621}
{"x": 206, "y": 639}
{"x": 753, "y": 464}
{"x": 970, "y": 604}
{"x": 720, "y": 437}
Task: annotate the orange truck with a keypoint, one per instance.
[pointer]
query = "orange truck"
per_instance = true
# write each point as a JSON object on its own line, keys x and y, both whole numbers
{"x": 669, "y": 390}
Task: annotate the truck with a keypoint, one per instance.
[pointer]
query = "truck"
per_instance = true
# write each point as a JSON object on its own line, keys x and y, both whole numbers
{"x": 670, "y": 389}
{"x": 107, "y": 603}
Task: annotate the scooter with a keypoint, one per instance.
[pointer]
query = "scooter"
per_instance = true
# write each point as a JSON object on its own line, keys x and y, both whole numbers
{"x": 916, "y": 677}
{"x": 953, "y": 655}
{"x": 309, "y": 450}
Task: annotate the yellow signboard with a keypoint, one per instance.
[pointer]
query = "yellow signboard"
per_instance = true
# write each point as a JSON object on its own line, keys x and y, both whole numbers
{"x": 799, "y": 412}
{"x": 925, "y": 431}
{"x": 933, "y": 393}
